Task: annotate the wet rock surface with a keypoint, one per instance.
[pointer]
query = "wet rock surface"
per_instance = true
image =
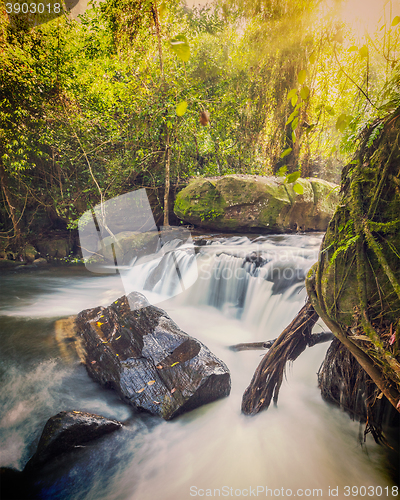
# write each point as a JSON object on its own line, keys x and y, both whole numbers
{"x": 140, "y": 352}
{"x": 63, "y": 433}
{"x": 66, "y": 431}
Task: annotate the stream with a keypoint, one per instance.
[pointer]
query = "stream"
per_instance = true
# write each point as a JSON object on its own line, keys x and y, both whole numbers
{"x": 300, "y": 446}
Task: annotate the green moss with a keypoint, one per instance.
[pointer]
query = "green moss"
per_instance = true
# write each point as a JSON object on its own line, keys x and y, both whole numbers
{"x": 235, "y": 202}
{"x": 199, "y": 201}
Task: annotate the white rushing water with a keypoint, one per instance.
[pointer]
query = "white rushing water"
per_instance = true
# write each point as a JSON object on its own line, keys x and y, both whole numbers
{"x": 301, "y": 445}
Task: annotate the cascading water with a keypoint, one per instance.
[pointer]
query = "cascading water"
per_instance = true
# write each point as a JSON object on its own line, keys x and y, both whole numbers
{"x": 231, "y": 290}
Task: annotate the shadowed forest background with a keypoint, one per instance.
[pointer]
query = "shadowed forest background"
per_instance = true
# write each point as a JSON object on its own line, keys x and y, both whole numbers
{"x": 134, "y": 93}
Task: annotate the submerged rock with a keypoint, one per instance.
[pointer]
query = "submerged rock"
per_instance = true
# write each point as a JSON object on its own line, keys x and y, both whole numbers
{"x": 40, "y": 262}
{"x": 66, "y": 431}
{"x": 252, "y": 203}
{"x": 140, "y": 352}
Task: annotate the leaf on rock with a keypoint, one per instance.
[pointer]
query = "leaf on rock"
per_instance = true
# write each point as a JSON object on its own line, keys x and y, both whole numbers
{"x": 292, "y": 177}
{"x": 141, "y": 390}
{"x": 151, "y": 382}
{"x": 298, "y": 188}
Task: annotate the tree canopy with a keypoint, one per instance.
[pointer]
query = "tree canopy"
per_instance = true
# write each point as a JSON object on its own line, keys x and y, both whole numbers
{"x": 134, "y": 93}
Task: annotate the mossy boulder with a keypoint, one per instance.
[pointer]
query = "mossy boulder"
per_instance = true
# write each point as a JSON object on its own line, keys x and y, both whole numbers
{"x": 255, "y": 203}
{"x": 57, "y": 248}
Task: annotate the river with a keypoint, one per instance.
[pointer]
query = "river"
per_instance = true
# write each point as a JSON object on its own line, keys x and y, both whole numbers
{"x": 302, "y": 447}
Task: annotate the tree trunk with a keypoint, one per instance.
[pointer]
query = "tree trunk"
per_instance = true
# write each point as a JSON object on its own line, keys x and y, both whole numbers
{"x": 167, "y": 182}
{"x": 154, "y": 11}
{"x": 8, "y": 198}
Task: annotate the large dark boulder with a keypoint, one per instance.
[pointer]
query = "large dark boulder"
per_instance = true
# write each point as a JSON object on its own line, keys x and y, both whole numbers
{"x": 66, "y": 431}
{"x": 63, "y": 433}
{"x": 140, "y": 352}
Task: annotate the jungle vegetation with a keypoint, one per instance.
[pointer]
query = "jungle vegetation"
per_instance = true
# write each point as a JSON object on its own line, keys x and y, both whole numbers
{"x": 139, "y": 93}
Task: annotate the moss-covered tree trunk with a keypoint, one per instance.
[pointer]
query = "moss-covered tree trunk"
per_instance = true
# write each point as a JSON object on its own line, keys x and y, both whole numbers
{"x": 354, "y": 287}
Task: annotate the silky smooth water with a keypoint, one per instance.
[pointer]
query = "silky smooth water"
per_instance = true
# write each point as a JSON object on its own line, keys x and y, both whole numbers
{"x": 303, "y": 444}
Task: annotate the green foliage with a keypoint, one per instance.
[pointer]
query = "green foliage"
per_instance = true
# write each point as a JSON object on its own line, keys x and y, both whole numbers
{"x": 181, "y": 108}
{"x": 298, "y": 188}
{"x": 286, "y": 152}
{"x": 301, "y": 77}
{"x": 290, "y": 178}
{"x": 342, "y": 122}
{"x": 88, "y": 107}
{"x": 212, "y": 214}
{"x": 179, "y": 45}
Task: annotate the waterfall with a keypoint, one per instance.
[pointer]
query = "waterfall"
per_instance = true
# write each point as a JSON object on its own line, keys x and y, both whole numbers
{"x": 256, "y": 281}
{"x": 236, "y": 289}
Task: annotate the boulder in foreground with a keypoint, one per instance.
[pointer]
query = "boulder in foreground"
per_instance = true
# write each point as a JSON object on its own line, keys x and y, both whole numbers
{"x": 140, "y": 352}
{"x": 67, "y": 430}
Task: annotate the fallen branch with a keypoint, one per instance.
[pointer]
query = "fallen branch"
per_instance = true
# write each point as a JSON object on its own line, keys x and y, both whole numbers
{"x": 268, "y": 376}
{"x": 316, "y": 338}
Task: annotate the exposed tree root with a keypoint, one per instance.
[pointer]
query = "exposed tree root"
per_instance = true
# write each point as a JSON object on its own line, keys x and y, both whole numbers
{"x": 268, "y": 376}
{"x": 344, "y": 383}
